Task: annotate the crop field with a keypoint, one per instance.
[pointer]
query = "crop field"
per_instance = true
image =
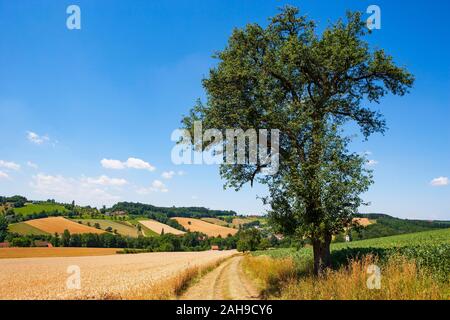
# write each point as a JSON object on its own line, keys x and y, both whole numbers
{"x": 157, "y": 227}
{"x": 40, "y": 207}
{"x": 364, "y": 221}
{"x": 122, "y": 228}
{"x": 102, "y": 277}
{"x": 6, "y": 253}
{"x": 207, "y": 228}
{"x": 59, "y": 224}
{"x": 430, "y": 249}
{"x": 242, "y": 221}
{"x": 25, "y": 229}
{"x": 217, "y": 221}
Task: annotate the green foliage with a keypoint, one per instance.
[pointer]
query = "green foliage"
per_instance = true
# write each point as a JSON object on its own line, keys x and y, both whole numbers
{"x": 20, "y": 242}
{"x": 3, "y": 228}
{"x": 388, "y": 226}
{"x": 65, "y": 239}
{"x": 249, "y": 240}
{"x": 153, "y": 212}
{"x": 15, "y": 201}
{"x": 286, "y": 76}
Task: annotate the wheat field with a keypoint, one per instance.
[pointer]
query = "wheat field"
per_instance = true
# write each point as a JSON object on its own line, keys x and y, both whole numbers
{"x": 158, "y": 227}
{"x": 212, "y": 230}
{"x": 59, "y": 224}
{"x": 125, "y": 276}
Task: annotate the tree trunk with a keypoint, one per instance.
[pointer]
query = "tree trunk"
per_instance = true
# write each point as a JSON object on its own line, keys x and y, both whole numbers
{"x": 322, "y": 256}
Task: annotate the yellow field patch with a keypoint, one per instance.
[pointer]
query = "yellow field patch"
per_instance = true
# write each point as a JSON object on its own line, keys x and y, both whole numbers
{"x": 363, "y": 221}
{"x": 212, "y": 230}
{"x": 158, "y": 227}
{"x": 6, "y": 253}
{"x": 59, "y": 224}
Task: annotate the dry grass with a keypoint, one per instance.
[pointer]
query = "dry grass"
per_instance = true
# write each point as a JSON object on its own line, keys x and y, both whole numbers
{"x": 400, "y": 280}
{"x": 6, "y": 253}
{"x": 158, "y": 227}
{"x": 133, "y": 276}
{"x": 269, "y": 274}
{"x": 207, "y": 228}
{"x": 59, "y": 224}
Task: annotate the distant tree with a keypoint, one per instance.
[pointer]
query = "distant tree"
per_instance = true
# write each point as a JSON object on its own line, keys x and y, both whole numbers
{"x": 65, "y": 238}
{"x": 248, "y": 240}
{"x": 55, "y": 241}
{"x": 97, "y": 225}
{"x": 75, "y": 240}
{"x": 3, "y": 228}
{"x": 109, "y": 229}
{"x": 264, "y": 244}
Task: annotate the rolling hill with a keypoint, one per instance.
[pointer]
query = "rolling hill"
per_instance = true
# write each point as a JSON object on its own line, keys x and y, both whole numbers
{"x": 383, "y": 225}
{"x": 36, "y": 208}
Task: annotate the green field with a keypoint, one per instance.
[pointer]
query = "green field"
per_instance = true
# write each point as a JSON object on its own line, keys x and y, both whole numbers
{"x": 25, "y": 229}
{"x": 40, "y": 207}
{"x": 123, "y": 228}
{"x": 430, "y": 249}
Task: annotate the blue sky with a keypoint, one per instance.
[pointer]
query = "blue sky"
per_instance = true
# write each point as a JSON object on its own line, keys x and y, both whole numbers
{"x": 118, "y": 87}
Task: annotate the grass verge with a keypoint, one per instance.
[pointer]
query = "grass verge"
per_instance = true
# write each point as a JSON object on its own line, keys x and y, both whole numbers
{"x": 401, "y": 279}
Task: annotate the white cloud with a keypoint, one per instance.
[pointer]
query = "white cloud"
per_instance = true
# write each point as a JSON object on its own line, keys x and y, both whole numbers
{"x": 133, "y": 163}
{"x": 139, "y": 164}
{"x": 32, "y": 165}
{"x": 35, "y": 138}
{"x": 372, "y": 163}
{"x": 84, "y": 191}
{"x": 157, "y": 186}
{"x": 3, "y": 175}
{"x": 112, "y": 164}
{"x": 171, "y": 174}
{"x": 439, "y": 182}
{"x": 106, "y": 181}
{"x": 9, "y": 165}
{"x": 168, "y": 174}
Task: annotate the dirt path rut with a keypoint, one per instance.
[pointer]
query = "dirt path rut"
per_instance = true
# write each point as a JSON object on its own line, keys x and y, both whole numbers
{"x": 226, "y": 282}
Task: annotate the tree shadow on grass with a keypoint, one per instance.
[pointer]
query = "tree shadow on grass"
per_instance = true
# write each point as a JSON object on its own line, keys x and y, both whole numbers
{"x": 342, "y": 257}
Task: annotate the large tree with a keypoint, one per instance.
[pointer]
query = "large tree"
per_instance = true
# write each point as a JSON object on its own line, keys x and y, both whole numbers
{"x": 286, "y": 76}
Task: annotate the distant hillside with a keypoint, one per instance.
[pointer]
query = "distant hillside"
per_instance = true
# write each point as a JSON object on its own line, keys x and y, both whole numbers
{"x": 140, "y": 209}
{"x": 386, "y": 225}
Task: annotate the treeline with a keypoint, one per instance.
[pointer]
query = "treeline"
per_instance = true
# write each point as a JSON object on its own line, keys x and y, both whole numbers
{"x": 140, "y": 209}
{"x": 18, "y": 217}
{"x": 390, "y": 226}
{"x": 15, "y": 201}
{"x": 191, "y": 241}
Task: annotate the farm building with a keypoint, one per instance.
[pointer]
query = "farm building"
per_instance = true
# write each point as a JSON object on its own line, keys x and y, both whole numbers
{"x": 215, "y": 247}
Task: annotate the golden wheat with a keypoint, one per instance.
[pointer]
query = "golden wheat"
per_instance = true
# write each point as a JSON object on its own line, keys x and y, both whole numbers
{"x": 128, "y": 276}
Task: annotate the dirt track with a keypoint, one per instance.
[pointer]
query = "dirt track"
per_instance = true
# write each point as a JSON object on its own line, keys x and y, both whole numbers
{"x": 226, "y": 282}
